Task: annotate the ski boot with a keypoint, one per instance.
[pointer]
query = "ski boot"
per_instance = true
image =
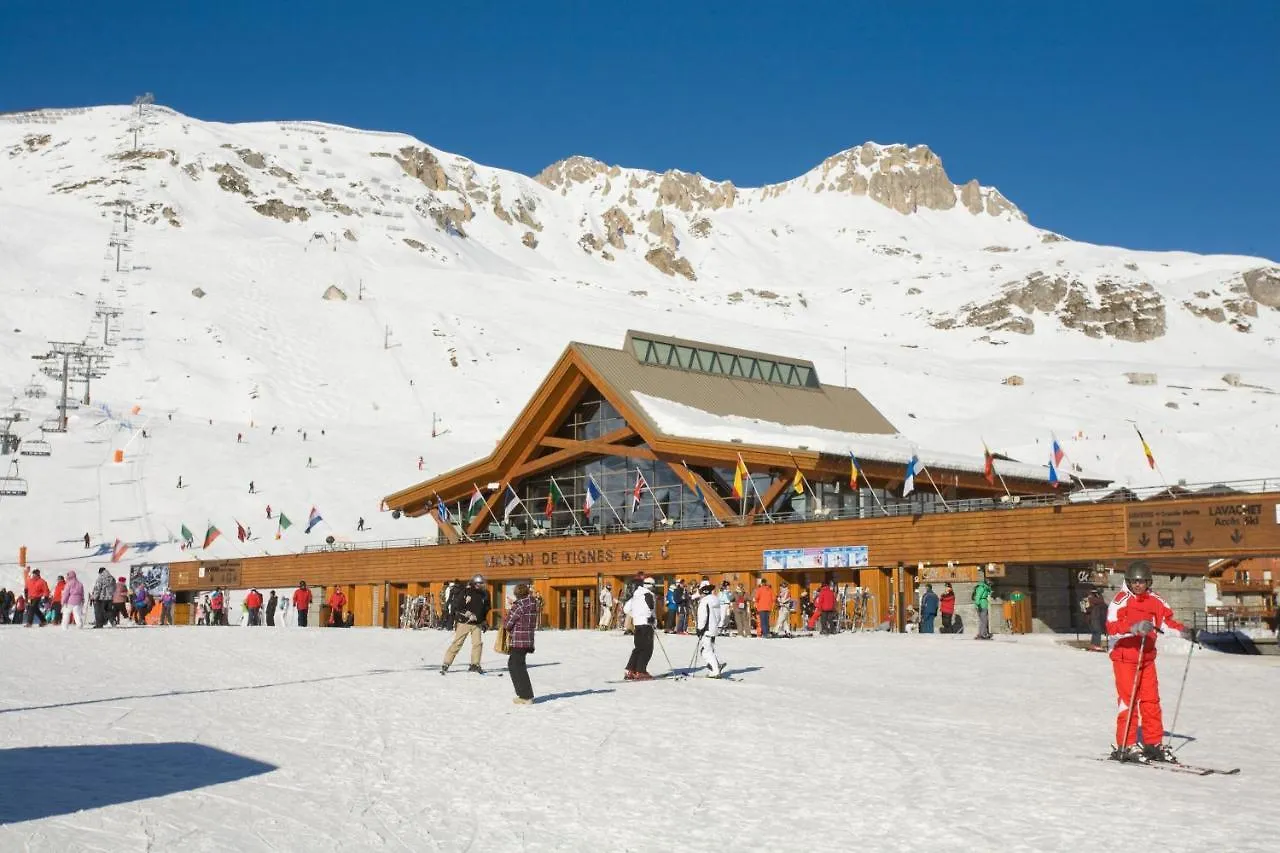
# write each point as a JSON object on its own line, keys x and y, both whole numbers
{"x": 444, "y": 670}
{"x": 1132, "y": 753}
{"x": 475, "y": 667}
{"x": 1161, "y": 752}
{"x": 641, "y": 675}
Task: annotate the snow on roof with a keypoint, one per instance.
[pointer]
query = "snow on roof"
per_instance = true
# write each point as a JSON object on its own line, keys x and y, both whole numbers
{"x": 686, "y": 421}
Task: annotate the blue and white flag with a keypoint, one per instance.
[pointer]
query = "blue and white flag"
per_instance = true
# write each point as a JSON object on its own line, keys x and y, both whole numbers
{"x": 1053, "y": 471}
{"x": 313, "y": 519}
{"x": 909, "y": 482}
{"x": 513, "y": 503}
{"x": 593, "y": 496}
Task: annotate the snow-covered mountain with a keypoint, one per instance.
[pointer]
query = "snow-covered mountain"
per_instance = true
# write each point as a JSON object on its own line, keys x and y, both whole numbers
{"x": 360, "y": 286}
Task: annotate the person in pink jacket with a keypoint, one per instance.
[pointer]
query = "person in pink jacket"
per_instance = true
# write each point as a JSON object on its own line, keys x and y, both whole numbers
{"x": 72, "y": 602}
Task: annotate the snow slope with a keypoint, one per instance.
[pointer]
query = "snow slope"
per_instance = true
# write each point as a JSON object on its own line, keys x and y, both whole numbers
{"x": 350, "y": 740}
{"x": 473, "y": 279}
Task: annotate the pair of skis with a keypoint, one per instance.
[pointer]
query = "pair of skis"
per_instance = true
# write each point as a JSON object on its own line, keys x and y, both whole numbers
{"x": 1177, "y": 767}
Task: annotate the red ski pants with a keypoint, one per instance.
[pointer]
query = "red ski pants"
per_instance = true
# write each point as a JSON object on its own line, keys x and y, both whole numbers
{"x": 1147, "y": 713}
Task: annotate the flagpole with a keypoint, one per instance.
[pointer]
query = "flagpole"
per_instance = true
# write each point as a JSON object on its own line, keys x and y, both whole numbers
{"x": 929, "y": 474}
{"x": 1146, "y": 449}
{"x": 605, "y": 497}
{"x": 760, "y": 500}
{"x": 698, "y": 490}
{"x": 462, "y": 528}
{"x": 804, "y": 481}
{"x": 751, "y": 483}
{"x": 994, "y": 469}
{"x": 653, "y": 497}
{"x": 874, "y": 496}
{"x": 568, "y": 504}
{"x": 532, "y": 520}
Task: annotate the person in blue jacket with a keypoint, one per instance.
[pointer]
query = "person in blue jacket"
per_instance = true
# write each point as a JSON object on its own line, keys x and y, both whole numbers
{"x": 928, "y": 609}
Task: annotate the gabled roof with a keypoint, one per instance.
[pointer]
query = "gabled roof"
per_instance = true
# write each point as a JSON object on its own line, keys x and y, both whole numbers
{"x": 689, "y": 411}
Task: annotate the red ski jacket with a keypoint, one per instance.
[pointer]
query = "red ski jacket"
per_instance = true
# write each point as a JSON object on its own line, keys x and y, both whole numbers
{"x": 252, "y": 600}
{"x": 302, "y": 598}
{"x": 826, "y": 599}
{"x": 1128, "y": 609}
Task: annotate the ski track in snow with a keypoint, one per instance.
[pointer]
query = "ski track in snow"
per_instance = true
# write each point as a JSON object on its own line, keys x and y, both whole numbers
{"x": 873, "y": 741}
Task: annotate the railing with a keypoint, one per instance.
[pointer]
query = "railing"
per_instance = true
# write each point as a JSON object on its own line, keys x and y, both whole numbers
{"x": 1005, "y": 503}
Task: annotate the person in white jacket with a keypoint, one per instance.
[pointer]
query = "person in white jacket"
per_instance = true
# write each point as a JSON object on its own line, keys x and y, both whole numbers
{"x": 710, "y": 616}
{"x": 606, "y": 607}
{"x": 643, "y": 612}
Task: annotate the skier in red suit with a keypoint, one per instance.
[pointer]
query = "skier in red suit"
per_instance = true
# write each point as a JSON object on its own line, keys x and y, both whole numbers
{"x": 1133, "y": 619}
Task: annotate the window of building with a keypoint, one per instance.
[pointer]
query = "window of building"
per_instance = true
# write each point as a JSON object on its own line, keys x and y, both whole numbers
{"x": 700, "y": 360}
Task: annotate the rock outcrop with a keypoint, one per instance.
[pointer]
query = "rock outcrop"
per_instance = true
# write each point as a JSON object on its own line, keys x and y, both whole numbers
{"x": 665, "y": 261}
{"x": 277, "y": 209}
{"x": 1124, "y": 311}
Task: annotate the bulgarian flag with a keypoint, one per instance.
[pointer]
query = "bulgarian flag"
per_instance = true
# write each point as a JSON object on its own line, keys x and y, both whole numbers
{"x": 988, "y": 464}
{"x": 553, "y": 495}
{"x": 211, "y": 534}
{"x": 477, "y": 501}
{"x": 282, "y": 524}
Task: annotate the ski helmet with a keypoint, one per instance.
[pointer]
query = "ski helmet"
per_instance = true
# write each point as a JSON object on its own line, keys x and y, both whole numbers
{"x": 478, "y": 580}
{"x": 1138, "y": 571}
{"x": 705, "y": 587}
{"x": 648, "y": 581}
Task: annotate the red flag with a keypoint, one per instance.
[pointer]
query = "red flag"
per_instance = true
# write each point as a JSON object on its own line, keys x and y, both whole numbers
{"x": 635, "y": 493}
{"x": 240, "y": 532}
{"x": 988, "y": 465}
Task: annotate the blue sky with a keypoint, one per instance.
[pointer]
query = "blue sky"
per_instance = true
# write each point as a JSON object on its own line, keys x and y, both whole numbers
{"x": 1149, "y": 125}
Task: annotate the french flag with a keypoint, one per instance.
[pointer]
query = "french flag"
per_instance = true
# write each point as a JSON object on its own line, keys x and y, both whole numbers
{"x": 1057, "y": 453}
{"x": 593, "y": 496}
{"x": 313, "y": 519}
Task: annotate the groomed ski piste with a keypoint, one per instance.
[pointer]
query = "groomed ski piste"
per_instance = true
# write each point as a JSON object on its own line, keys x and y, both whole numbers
{"x": 280, "y": 739}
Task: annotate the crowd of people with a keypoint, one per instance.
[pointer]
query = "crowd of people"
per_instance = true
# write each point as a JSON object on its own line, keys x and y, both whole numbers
{"x": 110, "y": 599}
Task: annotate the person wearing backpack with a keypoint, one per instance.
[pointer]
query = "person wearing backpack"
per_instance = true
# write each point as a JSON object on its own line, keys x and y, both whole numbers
{"x": 982, "y": 603}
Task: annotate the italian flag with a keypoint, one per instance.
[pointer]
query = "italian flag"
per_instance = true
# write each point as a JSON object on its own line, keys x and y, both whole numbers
{"x": 477, "y": 501}
{"x": 282, "y": 524}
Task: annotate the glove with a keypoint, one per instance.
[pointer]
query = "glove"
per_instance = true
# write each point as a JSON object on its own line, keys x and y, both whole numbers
{"x": 1189, "y": 634}
{"x": 701, "y": 632}
{"x": 1146, "y": 626}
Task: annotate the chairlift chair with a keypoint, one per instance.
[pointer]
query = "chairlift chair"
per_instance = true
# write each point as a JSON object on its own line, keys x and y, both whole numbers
{"x": 35, "y": 390}
{"x": 36, "y": 447}
{"x": 13, "y": 484}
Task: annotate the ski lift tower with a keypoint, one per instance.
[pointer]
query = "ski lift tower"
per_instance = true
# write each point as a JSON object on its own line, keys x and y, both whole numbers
{"x": 107, "y": 313}
{"x": 90, "y": 365}
{"x": 140, "y": 104}
{"x": 68, "y": 351}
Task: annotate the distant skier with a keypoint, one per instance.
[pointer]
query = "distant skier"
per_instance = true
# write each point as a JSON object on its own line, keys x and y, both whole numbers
{"x": 251, "y": 489}
{"x": 273, "y": 430}
{"x": 86, "y": 540}
{"x": 643, "y": 612}
{"x": 360, "y": 524}
{"x": 708, "y": 627}
{"x": 1135, "y": 615}
{"x": 239, "y": 437}
{"x": 419, "y": 463}
{"x": 179, "y": 481}
{"x": 268, "y": 512}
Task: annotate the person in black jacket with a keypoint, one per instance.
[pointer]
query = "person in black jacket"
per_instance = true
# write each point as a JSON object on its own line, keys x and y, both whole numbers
{"x": 470, "y": 613}
{"x": 272, "y": 603}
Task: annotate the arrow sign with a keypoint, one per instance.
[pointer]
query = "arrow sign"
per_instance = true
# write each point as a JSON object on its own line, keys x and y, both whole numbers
{"x": 1188, "y": 538}
{"x": 1144, "y": 540}
{"x": 1237, "y": 536}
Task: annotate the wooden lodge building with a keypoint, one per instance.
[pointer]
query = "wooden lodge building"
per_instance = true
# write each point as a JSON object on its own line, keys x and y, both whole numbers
{"x": 682, "y": 459}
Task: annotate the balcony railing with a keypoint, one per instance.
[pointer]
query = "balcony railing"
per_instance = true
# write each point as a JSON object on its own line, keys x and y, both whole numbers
{"x": 1005, "y": 503}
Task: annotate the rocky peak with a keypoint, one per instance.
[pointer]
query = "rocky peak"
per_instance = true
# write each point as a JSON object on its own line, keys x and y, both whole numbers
{"x": 574, "y": 170}
{"x": 904, "y": 178}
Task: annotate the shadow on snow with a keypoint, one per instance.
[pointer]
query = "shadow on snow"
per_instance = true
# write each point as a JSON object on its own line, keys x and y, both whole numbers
{"x": 59, "y": 780}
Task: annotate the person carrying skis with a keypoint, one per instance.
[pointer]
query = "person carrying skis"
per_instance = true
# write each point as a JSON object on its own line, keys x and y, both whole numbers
{"x": 708, "y": 627}
{"x": 470, "y": 614}
{"x": 644, "y": 614}
{"x": 1134, "y": 617}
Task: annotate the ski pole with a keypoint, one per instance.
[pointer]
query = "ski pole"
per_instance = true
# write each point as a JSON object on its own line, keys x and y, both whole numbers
{"x": 1133, "y": 694}
{"x": 1178, "y": 706}
{"x": 664, "y": 652}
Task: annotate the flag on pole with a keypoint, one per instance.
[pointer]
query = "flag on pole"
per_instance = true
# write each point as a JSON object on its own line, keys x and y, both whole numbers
{"x": 1058, "y": 452}
{"x": 513, "y": 503}
{"x": 553, "y": 495}
{"x": 477, "y": 501}
{"x": 909, "y": 481}
{"x": 211, "y": 534}
{"x": 187, "y": 535}
{"x": 853, "y": 471}
{"x": 989, "y": 464}
{"x": 797, "y": 483}
{"x": 740, "y": 475}
{"x": 593, "y": 496}
{"x": 635, "y": 493}
{"x": 1053, "y": 472}
{"x": 442, "y": 510}
{"x": 697, "y": 490}
{"x": 1146, "y": 448}
{"x": 313, "y": 519}
{"x": 241, "y": 533}
{"x": 117, "y": 550}
{"x": 283, "y": 524}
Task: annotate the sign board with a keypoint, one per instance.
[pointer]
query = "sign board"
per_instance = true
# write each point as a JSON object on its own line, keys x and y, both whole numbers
{"x": 834, "y": 557}
{"x": 224, "y": 573}
{"x": 1221, "y": 526}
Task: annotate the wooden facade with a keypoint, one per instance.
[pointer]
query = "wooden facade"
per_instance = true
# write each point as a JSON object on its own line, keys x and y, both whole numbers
{"x": 1180, "y": 534}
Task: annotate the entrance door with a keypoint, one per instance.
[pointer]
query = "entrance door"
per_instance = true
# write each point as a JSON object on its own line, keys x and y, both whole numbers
{"x": 575, "y": 607}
